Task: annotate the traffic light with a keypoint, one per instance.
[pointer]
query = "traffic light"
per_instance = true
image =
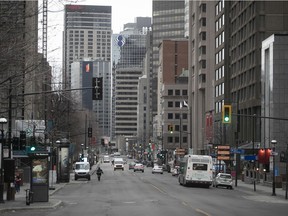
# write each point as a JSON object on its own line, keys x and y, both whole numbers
{"x": 226, "y": 114}
{"x": 89, "y": 132}
{"x": 22, "y": 140}
{"x": 97, "y": 90}
{"x": 170, "y": 128}
{"x": 32, "y": 148}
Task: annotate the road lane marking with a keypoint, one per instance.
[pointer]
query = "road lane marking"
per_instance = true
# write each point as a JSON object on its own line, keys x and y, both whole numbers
{"x": 202, "y": 212}
{"x": 161, "y": 191}
{"x": 131, "y": 202}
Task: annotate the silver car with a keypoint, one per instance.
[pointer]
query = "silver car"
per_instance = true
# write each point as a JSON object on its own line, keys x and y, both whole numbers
{"x": 224, "y": 180}
{"x": 157, "y": 169}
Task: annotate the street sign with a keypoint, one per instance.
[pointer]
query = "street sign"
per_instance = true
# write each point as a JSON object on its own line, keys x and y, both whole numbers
{"x": 220, "y": 157}
{"x": 223, "y": 152}
{"x": 223, "y": 147}
{"x": 250, "y": 157}
{"x": 237, "y": 151}
{"x": 180, "y": 151}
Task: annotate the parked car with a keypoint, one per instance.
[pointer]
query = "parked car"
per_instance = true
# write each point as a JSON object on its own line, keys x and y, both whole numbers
{"x": 131, "y": 165}
{"x": 224, "y": 180}
{"x": 139, "y": 167}
{"x": 157, "y": 169}
{"x": 175, "y": 171}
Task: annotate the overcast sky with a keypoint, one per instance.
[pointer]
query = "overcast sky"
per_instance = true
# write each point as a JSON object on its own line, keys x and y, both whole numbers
{"x": 123, "y": 11}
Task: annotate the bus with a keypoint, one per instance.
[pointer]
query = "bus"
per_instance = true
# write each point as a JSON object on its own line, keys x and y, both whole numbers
{"x": 196, "y": 170}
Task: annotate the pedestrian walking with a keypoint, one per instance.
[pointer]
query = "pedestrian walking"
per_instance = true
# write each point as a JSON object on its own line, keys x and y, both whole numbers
{"x": 17, "y": 183}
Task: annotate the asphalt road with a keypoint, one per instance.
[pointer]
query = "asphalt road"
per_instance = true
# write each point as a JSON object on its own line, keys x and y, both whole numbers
{"x": 125, "y": 193}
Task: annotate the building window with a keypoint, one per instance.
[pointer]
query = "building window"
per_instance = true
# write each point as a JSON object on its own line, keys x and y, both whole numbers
{"x": 177, "y": 104}
{"x": 170, "y": 115}
{"x": 184, "y": 92}
{"x": 177, "y": 128}
{"x": 177, "y": 116}
{"x": 170, "y": 103}
{"x": 177, "y": 92}
{"x": 170, "y": 92}
{"x": 184, "y": 115}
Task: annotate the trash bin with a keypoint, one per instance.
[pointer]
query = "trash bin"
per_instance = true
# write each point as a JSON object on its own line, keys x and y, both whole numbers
{"x": 11, "y": 192}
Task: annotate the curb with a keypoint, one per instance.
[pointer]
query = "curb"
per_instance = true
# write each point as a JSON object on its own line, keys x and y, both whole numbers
{"x": 59, "y": 202}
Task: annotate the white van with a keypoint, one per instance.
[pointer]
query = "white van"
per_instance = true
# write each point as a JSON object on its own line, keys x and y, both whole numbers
{"x": 118, "y": 163}
{"x": 82, "y": 170}
{"x": 106, "y": 159}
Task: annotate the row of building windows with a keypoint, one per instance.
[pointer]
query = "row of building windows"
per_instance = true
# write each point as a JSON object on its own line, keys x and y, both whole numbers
{"x": 219, "y": 90}
{"x": 219, "y": 56}
{"x": 176, "y": 139}
{"x": 219, "y": 40}
{"x": 177, "y": 92}
{"x": 81, "y": 56}
{"x": 245, "y": 14}
{"x": 177, "y": 104}
{"x": 244, "y": 94}
{"x": 243, "y": 79}
{"x": 177, "y": 128}
{"x": 219, "y": 23}
{"x": 244, "y": 63}
{"x": 177, "y": 115}
{"x": 219, "y": 73}
{"x": 218, "y": 106}
{"x": 243, "y": 48}
{"x": 219, "y": 7}
{"x": 166, "y": 19}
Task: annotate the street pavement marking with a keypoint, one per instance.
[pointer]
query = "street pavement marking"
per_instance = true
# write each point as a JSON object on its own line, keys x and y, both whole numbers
{"x": 129, "y": 202}
{"x": 197, "y": 210}
{"x": 202, "y": 212}
{"x": 161, "y": 191}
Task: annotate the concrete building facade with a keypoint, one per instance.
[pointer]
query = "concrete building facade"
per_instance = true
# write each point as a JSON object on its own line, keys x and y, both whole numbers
{"x": 87, "y": 34}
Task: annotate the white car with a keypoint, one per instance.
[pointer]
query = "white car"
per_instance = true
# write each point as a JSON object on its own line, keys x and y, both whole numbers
{"x": 224, "y": 180}
{"x": 157, "y": 169}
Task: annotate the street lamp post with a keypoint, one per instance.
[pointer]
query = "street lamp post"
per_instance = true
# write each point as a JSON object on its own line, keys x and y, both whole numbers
{"x": 2, "y": 122}
{"x": 273, "y": 142}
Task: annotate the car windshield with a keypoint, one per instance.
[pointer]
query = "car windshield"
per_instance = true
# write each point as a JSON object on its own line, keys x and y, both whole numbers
{"x": 119, "y": 162}
{"x": 81, "y": 166}
{"x": 225, "y": 176}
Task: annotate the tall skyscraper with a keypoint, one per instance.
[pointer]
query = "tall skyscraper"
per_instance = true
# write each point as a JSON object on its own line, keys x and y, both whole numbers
{"x": 127, "y": 71}
{"x": 87, "y": 34}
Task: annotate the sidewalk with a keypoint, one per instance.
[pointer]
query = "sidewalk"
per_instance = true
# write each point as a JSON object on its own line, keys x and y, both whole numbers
{"x": 261, "y": 191}
{"x": 20, "y": 198}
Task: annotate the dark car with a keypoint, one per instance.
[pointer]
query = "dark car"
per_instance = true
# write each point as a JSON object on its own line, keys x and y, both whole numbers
{"x": 131, "y": 165}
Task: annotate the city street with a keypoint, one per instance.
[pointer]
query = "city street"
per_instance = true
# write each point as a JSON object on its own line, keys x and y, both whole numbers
{"x": 125, "y": 193}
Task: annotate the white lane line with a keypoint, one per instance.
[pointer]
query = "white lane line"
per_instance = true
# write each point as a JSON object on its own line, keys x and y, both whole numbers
{"x": 202, "y": 212}
{"x": 161, "y": 191}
